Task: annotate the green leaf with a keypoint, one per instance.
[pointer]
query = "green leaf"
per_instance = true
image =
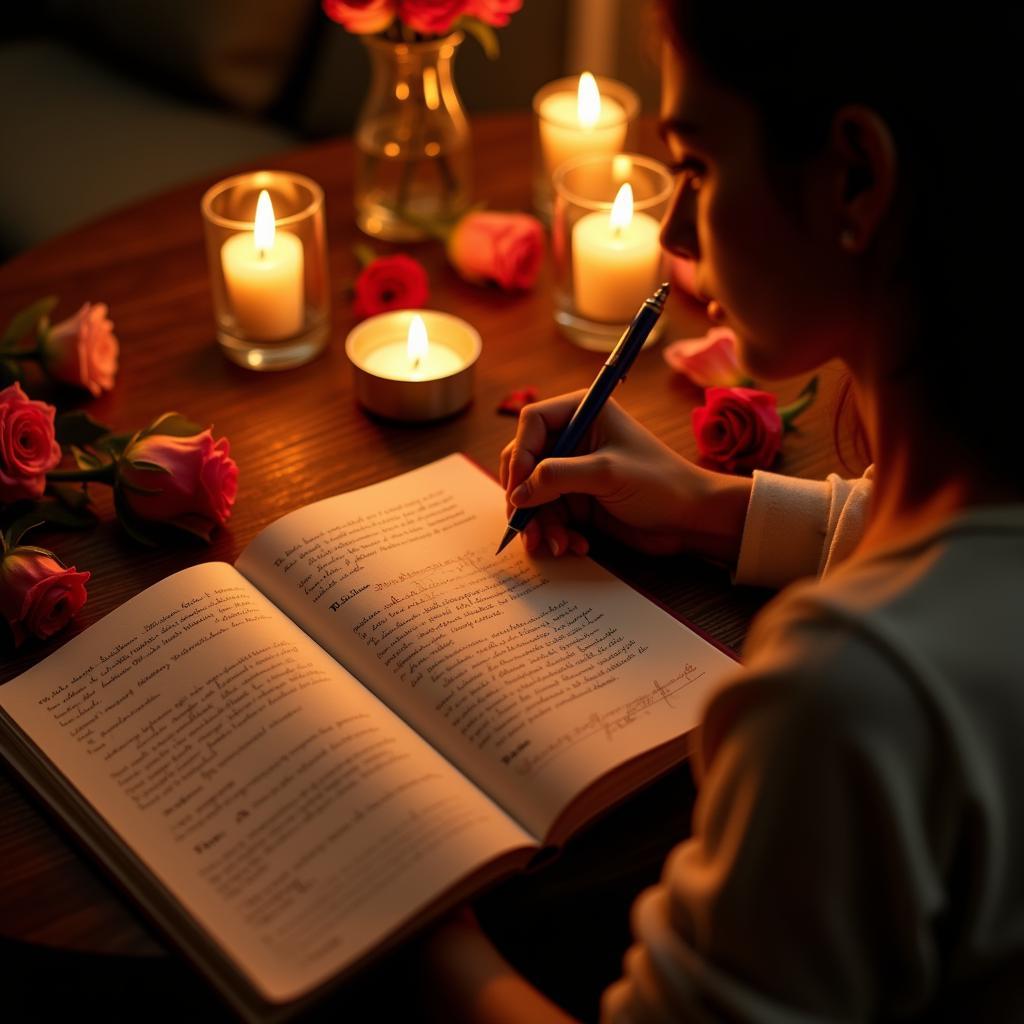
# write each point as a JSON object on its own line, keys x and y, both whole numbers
{"x": 788, "y": 413}
{"x": 9, "y": 372}
{"x": 22, "y": 323}
{"x": 79, "y": 428}
{"x": 85, "y": 459}
{"x": 115, "y": 444}
{"x": 364, "y": 254}
{"x": 13, "y": 534}
{"x": 69, "y": 496}
{"x": 152, "y": 467}
{"x": 171, "y": 424}
{"x": 483, "y": 34}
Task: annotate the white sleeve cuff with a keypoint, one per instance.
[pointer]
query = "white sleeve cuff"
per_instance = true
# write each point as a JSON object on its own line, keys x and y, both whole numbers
{"x": 785, "y": 530}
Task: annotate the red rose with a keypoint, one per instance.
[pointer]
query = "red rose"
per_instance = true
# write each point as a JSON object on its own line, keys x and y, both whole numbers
{"x": 503, "y": 248}
{"x": 738, "y": 428}
{"x": 493, "y": 12}
{"x": 364, "y": 17}
{"x": 82, "y": 350}
{"x": 391, "y": 282}
{"x": 189, "y": 482}
{"x": 37, "y": 594}
{"x": 28, "y": 447}
{"x": 431, "y": 17}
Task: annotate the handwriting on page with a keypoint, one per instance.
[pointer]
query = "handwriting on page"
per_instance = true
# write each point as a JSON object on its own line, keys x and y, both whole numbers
{"x": 332, "y": 561}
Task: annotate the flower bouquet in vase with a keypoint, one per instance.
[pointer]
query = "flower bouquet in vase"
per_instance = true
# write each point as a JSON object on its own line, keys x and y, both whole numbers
{"x": 412, "y": 140}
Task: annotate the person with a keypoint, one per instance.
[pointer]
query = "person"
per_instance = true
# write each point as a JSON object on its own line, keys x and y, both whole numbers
{"x": 847, "y": 191}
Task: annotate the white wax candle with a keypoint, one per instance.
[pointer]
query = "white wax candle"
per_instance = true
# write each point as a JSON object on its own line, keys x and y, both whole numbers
{"x": 392, "y": 360}
{"x": 614, "y": 268}
{"x": 263, "y": 273}
{"x": 567, "y": 130}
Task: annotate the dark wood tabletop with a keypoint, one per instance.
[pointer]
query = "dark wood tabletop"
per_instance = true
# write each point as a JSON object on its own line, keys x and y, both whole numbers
{"x": 298, "y": 436}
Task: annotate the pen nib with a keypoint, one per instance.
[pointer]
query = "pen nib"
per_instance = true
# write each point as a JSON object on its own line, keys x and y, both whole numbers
{"x": 509, "y": 534}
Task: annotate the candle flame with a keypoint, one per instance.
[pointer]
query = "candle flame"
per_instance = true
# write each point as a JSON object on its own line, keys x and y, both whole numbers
{"x": 417, "y": 341}
{"x": 263, "y": 229}
{"x": 622, "y": 208}
{"x": 588, "y": 101}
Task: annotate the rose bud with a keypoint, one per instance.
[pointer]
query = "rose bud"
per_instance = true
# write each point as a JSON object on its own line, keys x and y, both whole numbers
{"x": 391, "y": 282}
{"x": 38, "y": 596}
{"x": 738, "y": 428}
{"x": 503, "y": 248}
{"x": 189, "y": 482}
{"x": 431, "y": 17}
{"x": 82, "y": 350}
{"x": 709, "y": 361}
{"x": 28, "y": 447}
{"x": 363, "y": 17}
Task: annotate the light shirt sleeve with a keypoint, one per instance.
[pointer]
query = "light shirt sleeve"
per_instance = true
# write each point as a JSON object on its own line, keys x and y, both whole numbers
{"x": 798, "y": 528}
{"x": 812, "y": 798}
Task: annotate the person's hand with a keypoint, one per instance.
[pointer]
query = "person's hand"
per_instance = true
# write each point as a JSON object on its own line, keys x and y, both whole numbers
{"x": 623, "y": 482}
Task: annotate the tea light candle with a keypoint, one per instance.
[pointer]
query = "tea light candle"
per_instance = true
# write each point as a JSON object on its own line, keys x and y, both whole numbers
{"x": 263, "y": 275}
{"x": 616, "y": 258}
{"x": 413, "y": 364}
{"x": 575, "y": 124}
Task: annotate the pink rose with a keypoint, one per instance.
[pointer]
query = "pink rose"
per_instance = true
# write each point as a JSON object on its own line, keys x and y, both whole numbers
{"x": 493, "y": 12}
{"x": 391, "y": 282}
{"x": 431, "y": 17}
{"x": 738, "y": 428}
{"x": 364, "y": 17}
{"x": 82, "y": 350}
{"x": 37, "y": 594}
{"x": 504, "y": 248}
{"x": 189, "y": 482}
{"x": 709, "y": 361}
{"x": 28, "y": 447}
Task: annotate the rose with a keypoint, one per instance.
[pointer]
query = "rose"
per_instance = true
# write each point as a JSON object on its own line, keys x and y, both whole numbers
{"x": 431, "y": 17}
{"x": 189, "y": 482}
{"x": 363, "y": 17}
{"x": 391, "y": 282}
{"x": 82, "y": 350}
{"x": 738, "y": 428}
{"x": 709, "y": 361}
{"x": 37, "y": 594}
{"x": 493, "y": 12}
{"x": 28, "y": 447}
{"x": 504, "y": 248}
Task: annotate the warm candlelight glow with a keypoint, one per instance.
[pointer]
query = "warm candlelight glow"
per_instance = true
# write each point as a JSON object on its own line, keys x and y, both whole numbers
{"x": 263, "y": 229}
{"x": 416, "y": 344}
{"x": 588, "y": 101}
{"x": 622, "y": 208}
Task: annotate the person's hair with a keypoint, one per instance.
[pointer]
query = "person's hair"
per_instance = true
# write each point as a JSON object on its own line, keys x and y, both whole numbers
{"x": 949, "y": 85}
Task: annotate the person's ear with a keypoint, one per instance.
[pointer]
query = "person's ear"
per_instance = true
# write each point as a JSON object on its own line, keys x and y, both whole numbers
{"x": 865, "y": 150}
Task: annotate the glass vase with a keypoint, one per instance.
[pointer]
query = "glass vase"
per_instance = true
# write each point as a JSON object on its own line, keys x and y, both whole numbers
{"x": 412, "y": 143}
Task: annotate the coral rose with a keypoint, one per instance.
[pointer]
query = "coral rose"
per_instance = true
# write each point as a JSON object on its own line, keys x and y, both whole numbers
{"x": 493, "y": 12}
{"x": 190, "y": 482}
{"x": 363, "y": 17}
{"x": 391, "y": 282}
{"x": 28, "y": 447}
{"x": 738, "y": 428}
{"x": 431, "y": 17}
{"x": 82, "y": 350}
{"x": 37, "y": 594}
{"x": 709, "y": 361}
{"x": 503, "y": 248}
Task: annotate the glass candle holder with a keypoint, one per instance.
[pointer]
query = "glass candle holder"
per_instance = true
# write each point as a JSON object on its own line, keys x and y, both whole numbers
{"x": 605, "y": 244}
{"x": 568, "y": 125}
{"x": 268, "y": 268}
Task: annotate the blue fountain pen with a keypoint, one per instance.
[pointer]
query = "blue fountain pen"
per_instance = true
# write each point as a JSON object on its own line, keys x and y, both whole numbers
{"x": 612, "y": 373}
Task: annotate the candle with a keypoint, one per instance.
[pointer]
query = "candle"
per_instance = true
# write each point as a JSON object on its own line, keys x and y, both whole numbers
{"x": 580, "y": 123}
{"x": 414, "y": 358}
{"x": 616, "y": 258}
{"x": 413, "y": 364}
{"x": 263, "y": 274}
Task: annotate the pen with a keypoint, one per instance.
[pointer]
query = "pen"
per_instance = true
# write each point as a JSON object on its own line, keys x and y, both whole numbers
{"x": 614, "y": 370}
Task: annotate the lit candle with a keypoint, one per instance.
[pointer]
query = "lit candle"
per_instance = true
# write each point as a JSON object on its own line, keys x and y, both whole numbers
{"x": 616, "y": 259}
{"x": 263, "y": 273}
{"x": 414, "y": 358}
{"x": 580, "y": 124}
{"x": 405, "y": 371}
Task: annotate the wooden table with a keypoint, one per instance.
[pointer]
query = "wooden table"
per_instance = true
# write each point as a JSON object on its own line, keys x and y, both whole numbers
{"x": 298, "y": 436}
